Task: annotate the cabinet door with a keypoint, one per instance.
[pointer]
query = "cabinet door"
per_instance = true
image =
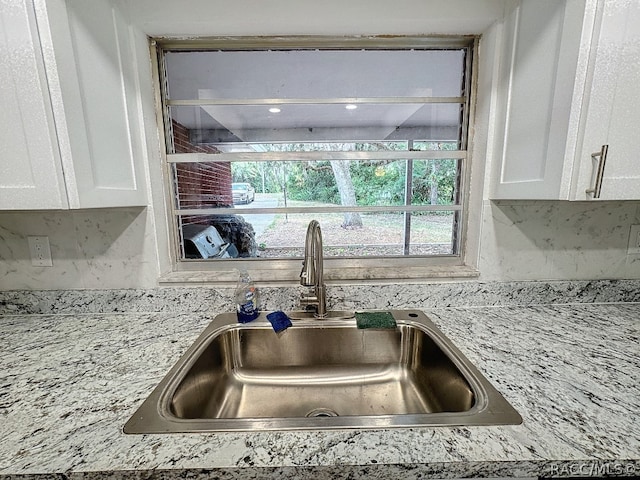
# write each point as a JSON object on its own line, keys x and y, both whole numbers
{"x": 92, "y": 83}
{"x": 30, "y": 169}
{"x": 538, "y": 61}
{"x": 613, "y": 105}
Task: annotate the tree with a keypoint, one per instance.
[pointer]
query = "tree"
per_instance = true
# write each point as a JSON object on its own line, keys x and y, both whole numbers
{"x": 347, "y": 192}
{"x": 433, "y": 197}
{"x": 341, "y": 174}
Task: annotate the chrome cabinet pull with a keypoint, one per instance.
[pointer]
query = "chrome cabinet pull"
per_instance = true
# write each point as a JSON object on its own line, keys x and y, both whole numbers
{"x": 601, "y": 156}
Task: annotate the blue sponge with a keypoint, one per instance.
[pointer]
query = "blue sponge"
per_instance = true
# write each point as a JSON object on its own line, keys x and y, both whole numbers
{"x": 279, "y": 321}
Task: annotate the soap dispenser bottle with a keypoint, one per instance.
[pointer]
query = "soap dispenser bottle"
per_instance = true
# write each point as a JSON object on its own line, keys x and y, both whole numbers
{"x": 246, "y": 298}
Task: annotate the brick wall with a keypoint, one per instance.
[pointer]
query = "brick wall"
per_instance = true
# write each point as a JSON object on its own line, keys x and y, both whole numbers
{"x": 204, "y": 185}
{"x": 200, "y": 185}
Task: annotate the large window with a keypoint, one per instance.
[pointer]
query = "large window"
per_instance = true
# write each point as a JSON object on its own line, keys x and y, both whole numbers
{"x": 367, "y": 136}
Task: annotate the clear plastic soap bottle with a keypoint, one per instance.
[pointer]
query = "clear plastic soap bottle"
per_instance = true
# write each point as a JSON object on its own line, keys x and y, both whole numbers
{"x": 247, "y": 298}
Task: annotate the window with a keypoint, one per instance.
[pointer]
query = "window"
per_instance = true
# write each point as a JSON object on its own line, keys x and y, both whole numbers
{"x": 368, "y": 136}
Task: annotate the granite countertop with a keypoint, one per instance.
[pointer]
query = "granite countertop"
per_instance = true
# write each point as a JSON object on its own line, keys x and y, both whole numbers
{"x": 69, "y": 382}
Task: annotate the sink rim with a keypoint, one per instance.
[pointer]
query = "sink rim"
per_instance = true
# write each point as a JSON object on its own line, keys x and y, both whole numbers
{"x": 154, "y": 415}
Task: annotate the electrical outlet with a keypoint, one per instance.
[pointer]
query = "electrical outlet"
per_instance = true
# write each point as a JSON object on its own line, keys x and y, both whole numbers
{"x": 634, "y": 240}
{"x": 40, "y": 251}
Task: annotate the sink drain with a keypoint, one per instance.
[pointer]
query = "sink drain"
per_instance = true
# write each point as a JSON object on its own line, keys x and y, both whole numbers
{"x": 322, "y": 412}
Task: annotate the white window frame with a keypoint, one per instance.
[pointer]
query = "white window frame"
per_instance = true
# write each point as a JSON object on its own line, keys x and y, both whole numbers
{"x": 343, "y": 270}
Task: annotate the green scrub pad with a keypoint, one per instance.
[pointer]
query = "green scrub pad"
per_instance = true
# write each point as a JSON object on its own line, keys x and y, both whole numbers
{"x": 375, "y": 320}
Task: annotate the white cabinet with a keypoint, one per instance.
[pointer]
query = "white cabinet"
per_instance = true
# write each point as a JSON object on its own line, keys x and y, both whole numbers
{"x": 569, "y": 73}
{"x": 31, "y": 174}
{"x": 612, "y": 104}
{"x": 74, "y": 137}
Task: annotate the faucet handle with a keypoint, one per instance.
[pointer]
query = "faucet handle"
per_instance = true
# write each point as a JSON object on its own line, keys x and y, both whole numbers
{"x": 307, "y": 274}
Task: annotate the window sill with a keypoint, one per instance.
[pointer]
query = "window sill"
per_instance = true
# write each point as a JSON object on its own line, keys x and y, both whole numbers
{"x": 285, "y": 275}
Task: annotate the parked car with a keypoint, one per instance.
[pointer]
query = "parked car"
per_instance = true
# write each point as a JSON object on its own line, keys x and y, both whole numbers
{"x": 243, "y": 192}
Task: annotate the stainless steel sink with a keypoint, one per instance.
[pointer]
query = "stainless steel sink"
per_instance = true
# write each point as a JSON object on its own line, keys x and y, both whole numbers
{"x": 320, "y": 374}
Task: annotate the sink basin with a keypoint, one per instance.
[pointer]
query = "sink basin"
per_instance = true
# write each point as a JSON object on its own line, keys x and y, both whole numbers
{"x": 320, "y": 374}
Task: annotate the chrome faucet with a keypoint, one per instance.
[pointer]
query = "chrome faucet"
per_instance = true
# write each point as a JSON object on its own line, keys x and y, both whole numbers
{"x": 312, "y": 271}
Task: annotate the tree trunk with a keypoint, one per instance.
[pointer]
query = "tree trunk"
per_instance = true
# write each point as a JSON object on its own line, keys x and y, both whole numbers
{"x": 433, "y": 197}
{"x": 347, "y": 192}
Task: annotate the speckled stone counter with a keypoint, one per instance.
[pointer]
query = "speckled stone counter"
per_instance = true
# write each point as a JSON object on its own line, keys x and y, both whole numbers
{"x": 206, "y": 299}
{"x": 68, "y": 383}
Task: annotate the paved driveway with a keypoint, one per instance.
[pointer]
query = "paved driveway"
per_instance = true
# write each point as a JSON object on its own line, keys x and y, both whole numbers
{"x": 260, "y": 221}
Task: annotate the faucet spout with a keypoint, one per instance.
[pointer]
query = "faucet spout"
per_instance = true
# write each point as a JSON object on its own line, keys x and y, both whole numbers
{"x": 312, "y": 274}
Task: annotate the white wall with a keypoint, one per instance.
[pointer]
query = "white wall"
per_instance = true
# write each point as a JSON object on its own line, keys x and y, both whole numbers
{"x": 550, "y": 240}
{"x": 118, "y": 248}
{"x": 310, "y": 17}
{"x": 104, "y": 248}
{"x": 114, "y": 248}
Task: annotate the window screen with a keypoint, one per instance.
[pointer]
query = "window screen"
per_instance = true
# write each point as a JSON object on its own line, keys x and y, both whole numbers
{"x": 371, "y": 142}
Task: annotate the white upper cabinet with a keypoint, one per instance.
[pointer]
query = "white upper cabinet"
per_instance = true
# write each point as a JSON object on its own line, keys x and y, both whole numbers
{"x": 83, "y": 141}
{"x": 30, "y": 167}
{"x": 569, "y": 71}
{"x": 612, "y": 105}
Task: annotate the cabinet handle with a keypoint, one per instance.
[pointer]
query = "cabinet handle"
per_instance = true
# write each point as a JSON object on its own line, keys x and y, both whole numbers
{"x": 601, "y": 156}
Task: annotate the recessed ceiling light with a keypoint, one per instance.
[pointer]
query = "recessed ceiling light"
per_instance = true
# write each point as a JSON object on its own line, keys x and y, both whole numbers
{"x": 351, "y": 106}
{"x": 275, "y": 110}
